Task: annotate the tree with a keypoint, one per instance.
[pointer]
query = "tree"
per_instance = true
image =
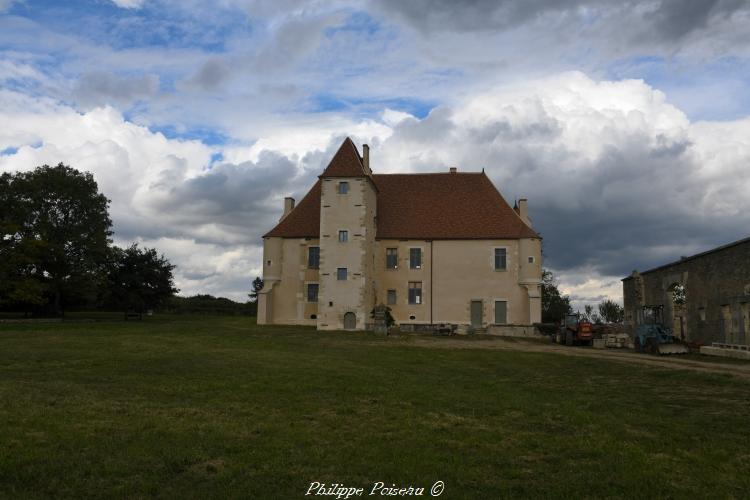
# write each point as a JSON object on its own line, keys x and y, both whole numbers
{"x": 589, "y": 314}
{"x": 257, "y": 287}
{"x": 138, "y": 279}
{"x": 611, "y": 311}
{"x": 55, "y": 235}
{"x": 554, "y": 305}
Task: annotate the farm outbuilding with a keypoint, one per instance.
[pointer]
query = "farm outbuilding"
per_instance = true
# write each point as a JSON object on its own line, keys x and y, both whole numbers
{"x": 706, "y": 297}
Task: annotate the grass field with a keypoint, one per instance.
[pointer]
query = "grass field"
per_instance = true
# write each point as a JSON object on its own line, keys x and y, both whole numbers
{"x": 219, "y": 408}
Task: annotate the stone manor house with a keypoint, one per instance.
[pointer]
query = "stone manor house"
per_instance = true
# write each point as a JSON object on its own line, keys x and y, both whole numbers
{"x": 439, "y": 248}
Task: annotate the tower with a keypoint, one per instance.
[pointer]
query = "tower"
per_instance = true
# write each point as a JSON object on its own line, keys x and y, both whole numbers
{"x": 348, "y": 205}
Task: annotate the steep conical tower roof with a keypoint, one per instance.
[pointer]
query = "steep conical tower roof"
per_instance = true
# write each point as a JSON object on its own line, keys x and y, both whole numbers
{"x": 346, "y": 162}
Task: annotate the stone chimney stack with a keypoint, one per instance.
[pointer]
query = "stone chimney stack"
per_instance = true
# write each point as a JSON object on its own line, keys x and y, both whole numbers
{"x": 366, "y": 158}
{"x": 522, "y": 210}
{"x": 288, "y": 206}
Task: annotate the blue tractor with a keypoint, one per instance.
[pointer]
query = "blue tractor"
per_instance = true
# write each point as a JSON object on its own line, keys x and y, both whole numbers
{"x": 652, "y": 337}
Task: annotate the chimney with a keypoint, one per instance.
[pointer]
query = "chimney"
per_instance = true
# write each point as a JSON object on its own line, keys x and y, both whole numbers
{"x": 522, "y": 209}
{"x": 366, "y": 158}
{"x": 453, "y": 170}
{"x": 288, "y": 206}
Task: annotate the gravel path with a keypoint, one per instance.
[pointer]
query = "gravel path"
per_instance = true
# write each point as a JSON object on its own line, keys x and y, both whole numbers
{"x": 740, "y": 370}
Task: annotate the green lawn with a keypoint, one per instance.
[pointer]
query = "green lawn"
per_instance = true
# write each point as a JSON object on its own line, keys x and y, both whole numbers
{"x": 186, "y": 407}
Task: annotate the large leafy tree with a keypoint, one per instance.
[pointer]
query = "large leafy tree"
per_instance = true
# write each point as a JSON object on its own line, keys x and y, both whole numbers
{"x": 611, "y": 311}
{"x": 138, "y": 279}
{"x": 21, "y": 282}
{"x": 554, "y": 304}
{"x": 55, "y": 232}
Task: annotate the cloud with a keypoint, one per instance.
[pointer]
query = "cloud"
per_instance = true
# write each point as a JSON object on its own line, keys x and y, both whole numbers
{"x": 129, "y": 4}
{"x": 587, "y": 34}
{"x": 100, "y": 88}
{"x": 5, "y": 5}
{"x": 211, "y": 74}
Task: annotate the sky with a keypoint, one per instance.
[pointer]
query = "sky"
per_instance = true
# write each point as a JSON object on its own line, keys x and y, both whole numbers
{"x": 625, "y": 123}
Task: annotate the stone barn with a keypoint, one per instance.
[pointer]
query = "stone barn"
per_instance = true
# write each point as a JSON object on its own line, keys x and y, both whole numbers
{"x": 706, "y": 297}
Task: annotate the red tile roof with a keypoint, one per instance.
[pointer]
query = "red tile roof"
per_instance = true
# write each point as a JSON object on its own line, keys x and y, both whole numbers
{"x": 346, "y": 162}
{"x": 417, "y": 206}
{"x": 445, "y": 206}
{"x": 304, "y": 219}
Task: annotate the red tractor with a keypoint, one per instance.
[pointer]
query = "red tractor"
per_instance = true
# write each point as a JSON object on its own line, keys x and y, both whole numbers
{"x": 574, "y": 331}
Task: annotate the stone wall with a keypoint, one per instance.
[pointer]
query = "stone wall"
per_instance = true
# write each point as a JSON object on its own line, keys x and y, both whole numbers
{"x": 717, "y": 295}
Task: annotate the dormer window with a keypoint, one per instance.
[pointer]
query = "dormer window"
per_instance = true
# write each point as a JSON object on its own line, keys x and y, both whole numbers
{"x": 343, "y": 187}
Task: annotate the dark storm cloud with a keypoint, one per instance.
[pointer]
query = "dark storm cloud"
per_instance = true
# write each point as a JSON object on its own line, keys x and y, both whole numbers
{"x": 666, "y": 20}
{"x": 100, "y": 88}
{"x": 211, "y": 74}
{"x": 242, "y": 196}
{"x": 471, "y": 15}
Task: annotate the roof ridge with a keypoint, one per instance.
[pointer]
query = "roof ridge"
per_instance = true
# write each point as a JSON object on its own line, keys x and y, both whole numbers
{"x": 432, "y": 173}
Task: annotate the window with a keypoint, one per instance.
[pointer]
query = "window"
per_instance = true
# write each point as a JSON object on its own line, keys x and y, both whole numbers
{"x": 313, "y": 257}
{"x": 415, "y": 292}
{"x": 341, "y": 274}
{"x": 501, "y": 260}
{"x": 415, "y": 258}
{"x": 391, "y": 258}
{"x": 312, "y": 292}
{"x": 343, "y": 187}
{"x": 391, "y": 297}
{"x": 501, "y": 312}
{"x": 343, "y": 236}
{"x": 531, "y": 260}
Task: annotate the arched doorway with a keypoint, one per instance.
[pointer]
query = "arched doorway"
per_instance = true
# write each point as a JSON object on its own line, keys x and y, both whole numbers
{"x": 350, "y": 321}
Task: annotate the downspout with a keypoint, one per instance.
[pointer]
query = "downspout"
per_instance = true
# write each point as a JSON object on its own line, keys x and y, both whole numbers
{"x": 432, "y": 298}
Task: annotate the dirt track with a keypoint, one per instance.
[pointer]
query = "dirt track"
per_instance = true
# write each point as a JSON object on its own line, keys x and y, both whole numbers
{"x": 740, "y": 370}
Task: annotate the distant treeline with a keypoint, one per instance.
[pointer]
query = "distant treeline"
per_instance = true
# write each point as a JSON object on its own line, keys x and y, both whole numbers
{"x": 208, "y": 304}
